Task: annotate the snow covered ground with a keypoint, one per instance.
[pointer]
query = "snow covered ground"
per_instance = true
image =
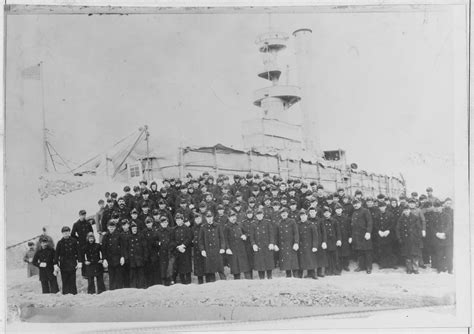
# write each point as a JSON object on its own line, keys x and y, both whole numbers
{"x": 233, "y": 300}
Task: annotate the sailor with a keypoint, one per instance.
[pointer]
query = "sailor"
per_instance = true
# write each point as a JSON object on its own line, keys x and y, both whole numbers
{"x": 44, "y": 259}
{"x": 361, "y": 225}
{"x": 344, "y": 223}
{"x": 183, "y": 250}
{"x": 167, "y": 244}
{"x": 113, "y": 251}
{"x": 309, "y": 243}
{"x": 333, "y": 242}
{"x": 262, "y": 239}
{"x": 288, "y": 244}
{"x": 409, "y": 235}
{"x": 212, "y": 246}
{"x": 91, "y": 256}
{"x": 67, "y": 259}
{"x": 235, "y": 240}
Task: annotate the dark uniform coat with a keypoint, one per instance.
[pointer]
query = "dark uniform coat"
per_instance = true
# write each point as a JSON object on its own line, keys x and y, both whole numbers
{"x": 152, "y": 244}
{"x": 45, "y": 255}
{"x": 385, "y": 222}
{"x": 345, "y": 226}
{"x": 184, "y": 236}
{"x": 333, "y": 233}
{"x": 136, "y": 251}
{"x": 246, "y": 229}
{"x": 262, "y": 235}
{"x": 238, "y": 261}
{"x": 211, "y": 240}
{"x": 309, "y": 239}
{"x": 198, "y": 259}
{"x": 113, "y": 248}
{"x": 321, "y": 257}
{"x": 409, "y": 234}
{"x": 361, "y": 223}
{"x": 92, "y": 252}
{"x": 287, "y": 236}
{"x": 80, "y": 230}
{"x": 445, "y": 225}
{"x": 67, "y": 254}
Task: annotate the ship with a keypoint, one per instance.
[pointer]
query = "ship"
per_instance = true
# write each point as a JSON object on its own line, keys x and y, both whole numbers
{"x": 271, "y": 142}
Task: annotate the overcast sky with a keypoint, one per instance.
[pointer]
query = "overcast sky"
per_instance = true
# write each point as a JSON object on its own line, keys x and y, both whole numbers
{"x": 384, "y": 83}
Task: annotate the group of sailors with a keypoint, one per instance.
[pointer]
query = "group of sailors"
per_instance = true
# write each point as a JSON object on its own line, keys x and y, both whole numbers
{"x": 164, "y": 235}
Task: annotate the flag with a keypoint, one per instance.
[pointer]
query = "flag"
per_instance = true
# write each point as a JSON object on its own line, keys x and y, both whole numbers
{"x": 32, "y": 72}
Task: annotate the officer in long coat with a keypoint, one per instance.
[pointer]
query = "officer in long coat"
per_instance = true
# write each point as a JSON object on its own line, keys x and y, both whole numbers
{"x": 375, "y": 213}
{"x": 67, "y": 256}
{"x": 235, "y": 240}
{"x": 152, "y": 264}
{"x": 444, "y": 238}
{"x": 344, "y": 223}
{"x": 246, "y": 225}
{"x": 136, "y": 255}
{"x": 198, "y": 259}
{"x": 429, "y": 244}
{"x": 321, "y": 256}
{"x": 167, "y": 244}
{"x": 361, "y": 225}
{"x": 333, "y": 241}
{"x": 409, "y": 234}
{"x": 287, "y": 241}
{"x": 308, "y": 246}
{"x": 44, "y": 259}
{"x": 183, "y": 250}
{"x": 262, "y": 238}
{"x": 113, "y": 251}
{"x": 91, "y": 256}
{"x": 385, "y": 224}
{"x": 212, "y": 246}
{"x": 80, "y": 229}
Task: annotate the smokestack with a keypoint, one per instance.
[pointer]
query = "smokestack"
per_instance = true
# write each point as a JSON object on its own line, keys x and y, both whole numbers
{"x": 304, "y": 57}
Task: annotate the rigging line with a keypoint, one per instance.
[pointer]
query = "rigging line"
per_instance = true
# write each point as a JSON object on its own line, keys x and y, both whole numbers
{"x": 104, "y": 151}
{"x": 60, "y": 157}
{"x": 51, "y": 156}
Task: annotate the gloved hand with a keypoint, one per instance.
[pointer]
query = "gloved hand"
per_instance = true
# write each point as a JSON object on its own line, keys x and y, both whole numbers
{"x": 105, "y": 264}
{"x": 387, "y": 232}
{"x": 296, "y": 247}
{"x": 442, "y": 236}
{"x": 271, "y": 247}
{"x": 122, "y": 261}
{"x": 222, "y": 251}
{"x": 338, "y": 243}
{"x": 243, "y": 237}
{"x": 191, "y": 206}
{"x": 350, "y": 240}
{"x": 314, "y": 249}
{"x": 203, "y": 253}
{"x": 187, "y": 223}
{"x": 275, "y": 248}
{"x": 79, "y": 265}
{"x": 382, "y": 234}
{"x": 423, "y": 233}
{"x": 255, "y": 248}
{"x": 43, "y": 265}
{"x": 367, "y": 236}
{"x": 228, "y": 251}
{"x": 324, "y": 245}
{"x": 87, "y": 263}
{"x": 181, "y": 250}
